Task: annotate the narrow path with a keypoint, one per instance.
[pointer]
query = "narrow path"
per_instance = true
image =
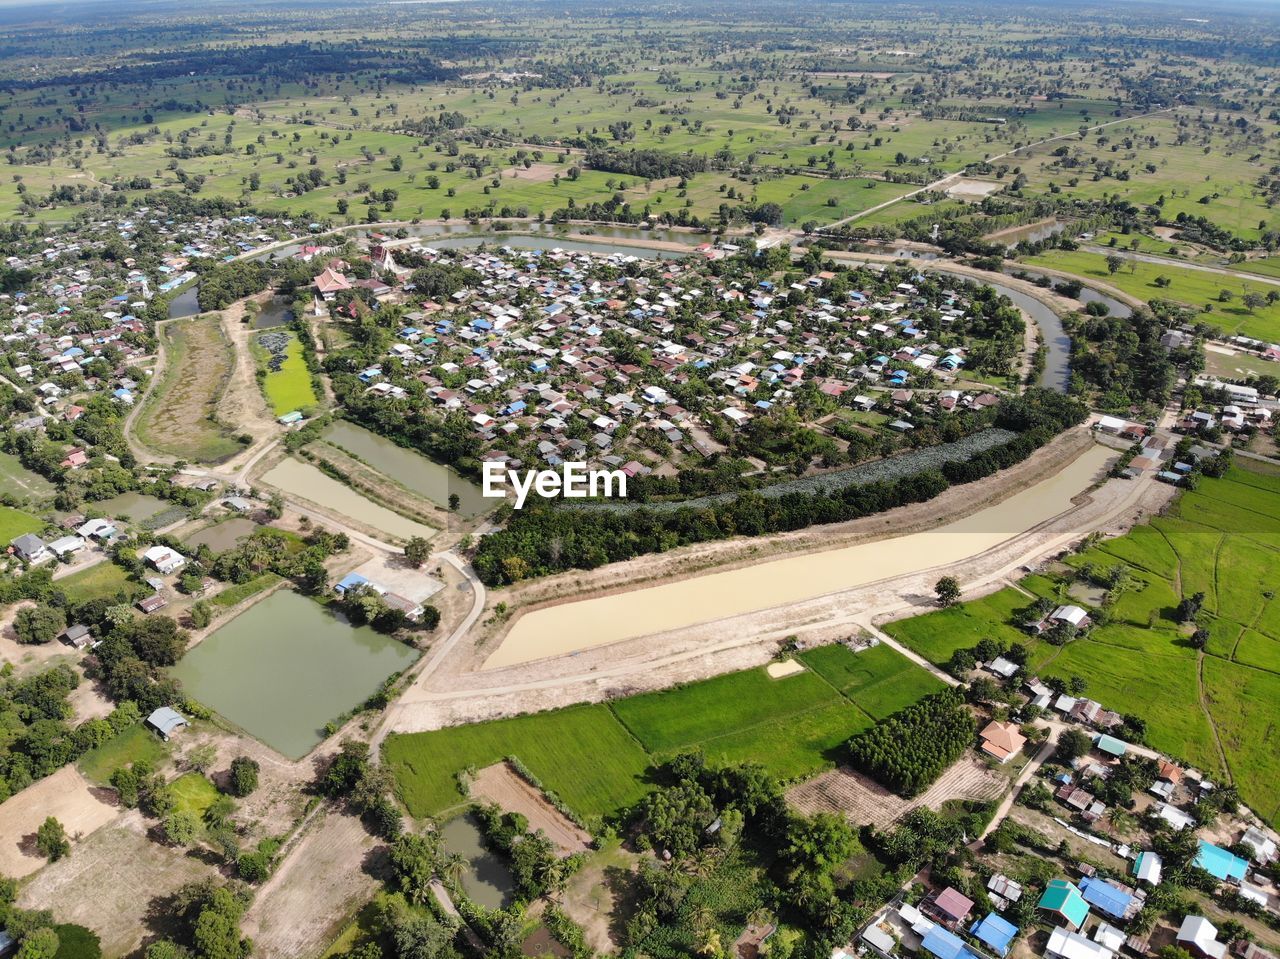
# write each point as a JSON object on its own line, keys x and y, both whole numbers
{"x": 940, "y": 183}
{"x": 1177, "y": 264}
{"x": 1203, "y": 696}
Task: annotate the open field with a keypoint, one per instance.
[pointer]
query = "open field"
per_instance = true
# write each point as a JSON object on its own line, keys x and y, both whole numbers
{"x": 103, "y": 580}
{"x": 137, "y": 743}
{"x": 863, "y": 800}
{"x": 1194, "y": 288}
{"x": 793, "y": 726}
{"x": 21, "y": 483}
{"x": 501, "y": 784}
{"x": 1222, "y": 540}
{"x": 66, "y": 795}
{"x": 14, "y": 522}
{"x": 177, "y": 417}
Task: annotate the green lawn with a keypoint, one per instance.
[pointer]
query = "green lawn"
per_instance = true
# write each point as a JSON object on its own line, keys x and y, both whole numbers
{"x": 289, "y": 388}
{"x": 105, "y": 580}
{"x": 21, "y": 483}
{"x": 134, "y": 744}
{"x": 236, "y": 594}
{"x": 193, "y": 792}
{"x": 14, "y": 523}
{"x": 1223, "y": 540}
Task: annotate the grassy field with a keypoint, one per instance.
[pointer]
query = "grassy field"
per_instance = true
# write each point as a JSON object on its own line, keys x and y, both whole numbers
{"x": 14, "y": 523}
{"x": 288, "y": 388}
{"x": 134, "y": 744}
{"x": 193, "y": 792}
{"x": 236, "y": 594}
{"x": 178, "y": 415}
{"x": 1222, "y": 540}
{"x": 595, "y": 757}
{"x": 1194, "y": 288}
{"x": 21, "y": 483}
{"x": 105, "y": 580}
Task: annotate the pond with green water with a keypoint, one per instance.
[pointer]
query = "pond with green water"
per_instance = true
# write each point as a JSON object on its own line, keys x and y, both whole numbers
{"x": 287, "y": 666}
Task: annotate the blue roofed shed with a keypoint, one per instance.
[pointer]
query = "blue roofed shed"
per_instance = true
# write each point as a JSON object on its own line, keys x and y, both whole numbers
{"x": 1110, "y": 745}
{"x": 350, "y": 581}
{"x": 996, "y": 932}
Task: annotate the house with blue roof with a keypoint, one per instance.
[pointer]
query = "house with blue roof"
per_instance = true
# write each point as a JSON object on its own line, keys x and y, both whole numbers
{"x": 1112, "y": 900}
{"x": 1062, "y": 899}
{"x": 1220, "y": 863}
{"x": 350, "y": 581}
{"x": 995, "y": 932}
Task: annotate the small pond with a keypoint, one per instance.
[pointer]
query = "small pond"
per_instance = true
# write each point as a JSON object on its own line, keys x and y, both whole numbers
{"x": 433, "y": 480}
{"x": 185, "y": 303}
{"x": 274, "y": 312}
{"x": 222, "y": 536}
{"x": 487, "y": 879}
{"x": 287, "y": 666}
{"x": 134, "y": 507}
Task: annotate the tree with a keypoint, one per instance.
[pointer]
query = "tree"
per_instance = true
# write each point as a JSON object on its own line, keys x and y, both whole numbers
{"x": 39, "y": 624}
{"x": 948, "y": 591}
{"x": 1189, "y": 608}
{"x": 1073, "y": 744}
{"x": 1253, "y": 301}
{"x": 52, "y": 841}
{"x": 417, "y": 551}
{"x": 41, "y": 943}
{"x": 243, "y": 778}
{"x": 1114, "y": 262}
{"x": 201, "y": 758}
{"x": 181, "y": 827}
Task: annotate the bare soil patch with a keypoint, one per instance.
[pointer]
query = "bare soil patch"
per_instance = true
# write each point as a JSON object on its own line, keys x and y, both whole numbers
{"x": 862, "y": 800}
{"x": 973, "y": 189}
{"x": 66, "y": 795}
{"x": 330, "y": 873}
{"x": 596, "y": 898}
{"x": 504, "y": 786}
{"x": 536, "y": 173}
{"x": 113, "y": 882}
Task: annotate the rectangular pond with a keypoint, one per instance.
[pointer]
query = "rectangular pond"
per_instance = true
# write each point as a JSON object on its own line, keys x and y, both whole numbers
{"x": 133, "y": 507}
{"x": 411, "y": 470}
{"x": 286, "y": 667}
{"x": 304, "y": 480}
{"x": 222, "y": 536}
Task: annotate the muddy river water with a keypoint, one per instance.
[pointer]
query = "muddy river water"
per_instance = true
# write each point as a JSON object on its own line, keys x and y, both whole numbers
{"x": 572, "y": 626}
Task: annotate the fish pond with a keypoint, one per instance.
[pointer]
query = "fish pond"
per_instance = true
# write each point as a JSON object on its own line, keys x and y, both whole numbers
{"x": 486, "y": 878}
{"x": 222, "y": 536}
{"x": 286, "y": 667}
{"x": 412, "y": 470}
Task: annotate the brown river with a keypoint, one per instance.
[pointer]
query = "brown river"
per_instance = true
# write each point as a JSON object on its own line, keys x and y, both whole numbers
{"x": 573, "y": 626}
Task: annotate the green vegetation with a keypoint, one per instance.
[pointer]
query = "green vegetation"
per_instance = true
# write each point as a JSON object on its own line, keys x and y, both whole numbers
{"x": 14, "y": 523}
{"x": 103, "y": 580}
{"x": 283, "y": 369}
{"x": 137, "y": 744}
{"x": 239, "y": 592}
{"x": 193, "y": 793}
{"x": 1195, "y": 288}
{"x": 1220, "y": 540}
{"x": 909, "y": 750}
{"x": 594, "y": 757}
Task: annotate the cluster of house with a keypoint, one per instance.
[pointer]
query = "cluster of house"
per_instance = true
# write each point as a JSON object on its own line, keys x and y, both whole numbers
{"x": 530, "y": 349}
{"x": 71, "y": 314}
{"x": 356, "y": 581}
{"x": 1088, "y": 917}
{"x": 1244, "y": 409}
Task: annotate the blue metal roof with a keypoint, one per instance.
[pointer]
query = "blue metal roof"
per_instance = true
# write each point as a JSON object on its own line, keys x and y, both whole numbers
{"x": 1114, "y": 902}
{"x": 996, "y": 931}
{"x": 944, "y": 944}
{"x": 1219, "y": 863}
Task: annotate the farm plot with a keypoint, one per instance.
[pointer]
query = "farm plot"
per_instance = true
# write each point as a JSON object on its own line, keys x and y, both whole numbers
{"x": 179, "y": 415}
{"x": 862, "y": 800}
{"x": 14, "y": 522}
{"x": 501, "y": 784}
{"x": 66, "y": 795}
{"x": 582, "y": 754}
{"x": 1221, "y": 540}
